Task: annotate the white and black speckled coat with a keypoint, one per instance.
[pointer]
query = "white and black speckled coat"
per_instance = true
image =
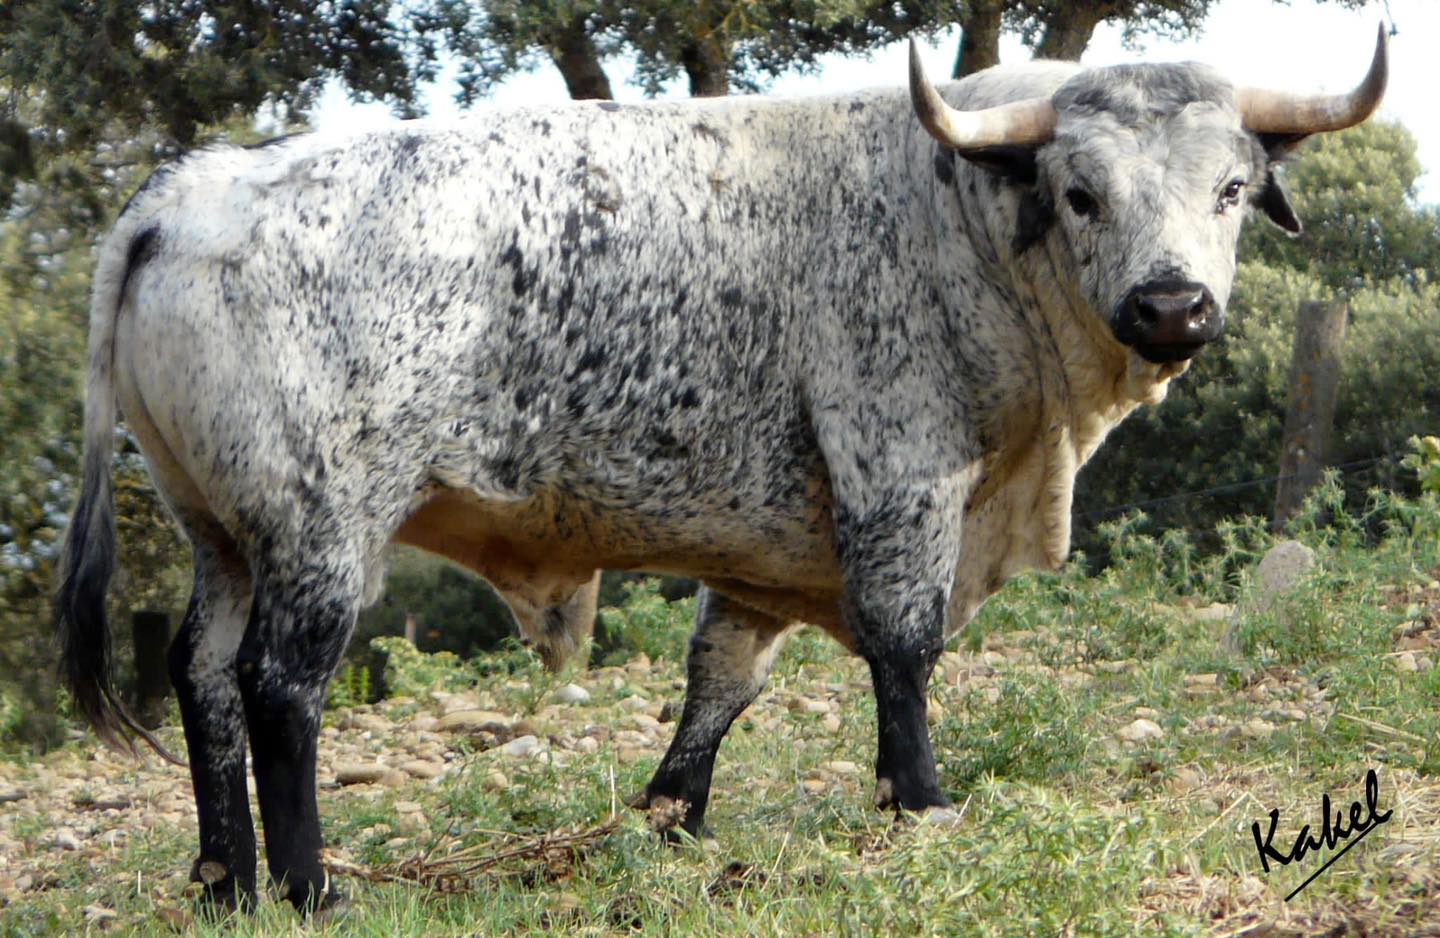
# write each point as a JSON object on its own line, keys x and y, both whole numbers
{"x": 794, "y": 348}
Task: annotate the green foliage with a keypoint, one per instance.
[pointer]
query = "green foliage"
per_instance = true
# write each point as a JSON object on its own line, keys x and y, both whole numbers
{"x": 644, "y": 622}
{"x": 409, "y": 672}
{"x": 1425, "y": 463}
{"x": 350, "y": 687}
{"x": 178, "y": 67}
{"x": 1033, "y": 731}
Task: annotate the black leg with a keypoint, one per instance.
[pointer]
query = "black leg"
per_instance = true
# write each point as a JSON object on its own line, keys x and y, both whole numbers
{"x": 295, "y": 638}
{"x": 905, "y": 764}
{"x": 202, "y": 670}
{"x": 730, "y": 656}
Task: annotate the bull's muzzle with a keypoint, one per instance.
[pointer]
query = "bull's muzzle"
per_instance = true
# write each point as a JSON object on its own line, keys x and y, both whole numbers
{"x": 1168, "y": 320}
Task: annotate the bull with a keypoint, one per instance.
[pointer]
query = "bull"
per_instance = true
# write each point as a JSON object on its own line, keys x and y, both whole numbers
{"x": 840, "y": 364}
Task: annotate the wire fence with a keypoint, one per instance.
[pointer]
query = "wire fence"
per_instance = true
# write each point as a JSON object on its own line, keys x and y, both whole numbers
{"x": 1357, "y": 465}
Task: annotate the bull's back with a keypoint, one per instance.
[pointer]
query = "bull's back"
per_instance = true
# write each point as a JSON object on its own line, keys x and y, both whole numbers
{"x": 535, "y": 328}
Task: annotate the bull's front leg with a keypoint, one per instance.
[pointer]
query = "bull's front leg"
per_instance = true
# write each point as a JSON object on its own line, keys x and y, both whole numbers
{"x": 899, "y": 559}
{"x": 730, "y": 656}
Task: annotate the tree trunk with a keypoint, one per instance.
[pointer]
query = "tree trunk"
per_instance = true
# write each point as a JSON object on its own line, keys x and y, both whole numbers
{"x": 979, "y": 38}
{"x": 1314, "y": 386}
{"x": 707, "y": 64}
{"x": 1069, "y": 27}
{"x": 574, "y": 54}
{"x": 150, "y": 632}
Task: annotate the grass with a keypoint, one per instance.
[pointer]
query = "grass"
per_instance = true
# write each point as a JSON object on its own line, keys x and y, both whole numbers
{"x": 1065, "y": 828}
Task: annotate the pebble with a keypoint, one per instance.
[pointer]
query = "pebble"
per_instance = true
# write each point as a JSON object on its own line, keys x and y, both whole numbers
{"x": 1141, "y": 730}
{"x": 496, "y": 780}
{"x": 1186, "y": 779}
{"x": 572, "y": 694}
{"x": 65, "y": 839}
{"x": 371, "y": 773}
{"x": 1405, "y": 662}
{"x": 1147, "y": 713}
{"x": 369, "y": 722}
{"x": 830, "y": 723}
{"x": 470, "y": 720}
{"x": 1257, "y": 729}
{"x": 522, "y": 747}
{"x": 419, "y": 768}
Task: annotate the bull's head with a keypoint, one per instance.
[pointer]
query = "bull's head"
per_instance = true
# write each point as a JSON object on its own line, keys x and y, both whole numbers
{"x": 1147, "y": 170}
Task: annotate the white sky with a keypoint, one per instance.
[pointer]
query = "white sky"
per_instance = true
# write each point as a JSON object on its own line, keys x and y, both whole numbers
{"x": 1303, "y": 46}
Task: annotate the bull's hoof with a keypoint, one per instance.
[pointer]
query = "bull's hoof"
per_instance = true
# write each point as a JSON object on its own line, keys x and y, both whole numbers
{"x": 318, "y": 900}
{"x": 219, "y": 894}
{"x": 916, "y": 798}
{"x": 666, "y": 813}
{"x": 333, "y": 905}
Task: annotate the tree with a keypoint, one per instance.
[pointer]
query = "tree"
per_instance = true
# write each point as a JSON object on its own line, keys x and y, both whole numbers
{"x": 1062, "y": 29}
{"x": 92, "y": 94}
{"x": 718, "y": 45}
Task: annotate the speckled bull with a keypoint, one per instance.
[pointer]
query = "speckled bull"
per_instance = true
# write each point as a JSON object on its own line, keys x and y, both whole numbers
{"x": 838, "y": 358}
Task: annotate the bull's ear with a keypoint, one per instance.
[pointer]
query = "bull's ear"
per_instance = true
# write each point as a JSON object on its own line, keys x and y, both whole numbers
{"x": 1012, "y": 163}
{"x": 1274, "y": 201}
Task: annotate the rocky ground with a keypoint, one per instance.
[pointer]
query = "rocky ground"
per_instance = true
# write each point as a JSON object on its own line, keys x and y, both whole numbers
{"x": 1216, "y": 754}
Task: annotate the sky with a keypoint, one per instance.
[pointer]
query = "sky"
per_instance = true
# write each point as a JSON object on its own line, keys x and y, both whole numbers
{"x": 1297, "y": 46}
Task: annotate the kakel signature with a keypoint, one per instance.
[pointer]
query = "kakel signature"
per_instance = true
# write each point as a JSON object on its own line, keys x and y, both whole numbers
{"x": 1333, "y": 829}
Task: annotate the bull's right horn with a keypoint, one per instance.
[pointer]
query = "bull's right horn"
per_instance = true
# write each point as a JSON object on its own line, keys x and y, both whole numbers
{"x": 1020, "y": 123}
{"x": 1276, "y": 112}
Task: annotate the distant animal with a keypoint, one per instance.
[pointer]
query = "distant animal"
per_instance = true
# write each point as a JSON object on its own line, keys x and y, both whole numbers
{"x": 840, "y": 363}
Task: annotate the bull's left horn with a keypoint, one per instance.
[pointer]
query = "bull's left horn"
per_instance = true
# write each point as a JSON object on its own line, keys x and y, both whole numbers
{"x": 1276, "y": 112}
{"x": 1020, "y": 123}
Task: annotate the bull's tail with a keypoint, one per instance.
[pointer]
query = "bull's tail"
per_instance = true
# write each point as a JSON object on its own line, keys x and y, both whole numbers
{"x": 88, "y": 557}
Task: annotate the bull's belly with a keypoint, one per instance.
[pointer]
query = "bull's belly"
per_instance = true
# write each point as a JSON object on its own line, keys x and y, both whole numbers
{"x": 539, "y": 551}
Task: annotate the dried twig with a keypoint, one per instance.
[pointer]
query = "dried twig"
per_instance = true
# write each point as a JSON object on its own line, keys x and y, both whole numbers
{"x": 444, "y": 868}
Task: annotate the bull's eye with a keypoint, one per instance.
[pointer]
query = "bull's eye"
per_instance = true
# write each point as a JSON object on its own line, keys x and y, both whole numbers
{"x": 1082, "y": 202}
{"x": 1231, "y": 194}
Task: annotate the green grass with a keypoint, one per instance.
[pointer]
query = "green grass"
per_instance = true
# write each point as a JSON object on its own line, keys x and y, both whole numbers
{"x": 1065, "y": 830}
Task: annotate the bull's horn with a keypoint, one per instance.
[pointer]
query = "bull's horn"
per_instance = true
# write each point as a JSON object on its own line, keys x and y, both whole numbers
{"x": 1021, "y": 123}
{"x": 1276, "y": 112}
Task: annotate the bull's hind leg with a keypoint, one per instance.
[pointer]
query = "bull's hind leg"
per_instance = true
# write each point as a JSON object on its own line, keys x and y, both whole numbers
{"x": 202, "y": 669}
{"x": 302, "y": 617}
{"x": 730, "y": 657}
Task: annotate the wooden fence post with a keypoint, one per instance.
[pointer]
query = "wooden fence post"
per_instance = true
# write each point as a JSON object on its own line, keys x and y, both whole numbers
{"x": 150, "y": 633}
{"x": 1314, "y": 386}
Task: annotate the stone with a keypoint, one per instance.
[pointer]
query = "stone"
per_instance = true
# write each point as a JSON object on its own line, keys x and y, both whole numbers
{"x": 1141, "y": 730}
{"x": 841, "y": 767}
{"x": 572, "y": 694}
{"x": 1405, "y": 662}
{"x": 368, "y": 773}
{"x": 522, "y": 747}
{"x": 1215, "y": 612}
{"x": 419, "y": 768}
{"x": 470, "y": 721}
{"x": 1147, "y": 713}
{"x": 1281, "y": 569}
{"x": 496, "y": 780}
{"x": 1257, "y": 729}
{"x": 830, "y": 723}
